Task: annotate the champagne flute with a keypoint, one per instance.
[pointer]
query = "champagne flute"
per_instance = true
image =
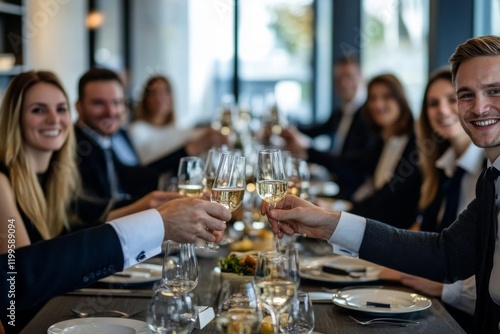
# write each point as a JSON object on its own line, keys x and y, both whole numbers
{"x": 229, "y": 185}
{"x": 211, "y": 165}
{"x": 180, "y": 268}
{"x": 275, "y": 283}
{"x": 190, "y": 176}
{"x": 271, "y": 179}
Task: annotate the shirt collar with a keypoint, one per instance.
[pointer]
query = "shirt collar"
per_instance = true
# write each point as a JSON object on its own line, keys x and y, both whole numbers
{"x": 103, "y": 141}
{"x": 471, "y": 160}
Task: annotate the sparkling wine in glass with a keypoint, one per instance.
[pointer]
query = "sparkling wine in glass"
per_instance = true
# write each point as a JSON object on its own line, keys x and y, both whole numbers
{"x": 271, "y": 179}
{"x": 229, "y": 185}
{"x": 190, "y": 176}
{"x": 180, "y": 268}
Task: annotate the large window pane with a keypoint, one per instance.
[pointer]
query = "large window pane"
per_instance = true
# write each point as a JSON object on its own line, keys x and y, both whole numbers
{"x": 275, "y": 53}
{"x": 394, "y": 36}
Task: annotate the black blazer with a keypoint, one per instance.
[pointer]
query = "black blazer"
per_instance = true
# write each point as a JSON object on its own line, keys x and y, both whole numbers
{"x": 456, "y": 253}
{"x": 358, "y": 136}
{"x": 396, "y": 203}
{"x": 135, "y": 181}
{"x": 49, "y": 268}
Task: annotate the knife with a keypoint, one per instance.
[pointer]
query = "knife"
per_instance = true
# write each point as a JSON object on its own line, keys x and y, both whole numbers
{"x": 112, "y": 292}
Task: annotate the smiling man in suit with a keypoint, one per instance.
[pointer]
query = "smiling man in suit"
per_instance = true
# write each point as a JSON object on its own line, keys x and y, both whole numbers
{"x": 471, "y": 245}
{"x": 112, "y": 176}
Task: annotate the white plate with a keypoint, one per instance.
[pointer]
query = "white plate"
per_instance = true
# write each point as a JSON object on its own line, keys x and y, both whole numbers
{"x": 311, "y": 269}
{"x": 390, "y": 301}
{"x": 140, "y": 273}
{"x": 99, "y": 325}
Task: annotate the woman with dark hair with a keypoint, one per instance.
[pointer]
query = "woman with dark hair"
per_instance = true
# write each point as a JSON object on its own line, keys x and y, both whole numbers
{"x": 391, "y": 189}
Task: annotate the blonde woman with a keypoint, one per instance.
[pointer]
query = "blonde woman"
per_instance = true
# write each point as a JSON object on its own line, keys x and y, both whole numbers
{"x": 38, "y": 176}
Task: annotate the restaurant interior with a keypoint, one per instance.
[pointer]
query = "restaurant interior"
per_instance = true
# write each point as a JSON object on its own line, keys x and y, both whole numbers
{"x": 260, "y": 100}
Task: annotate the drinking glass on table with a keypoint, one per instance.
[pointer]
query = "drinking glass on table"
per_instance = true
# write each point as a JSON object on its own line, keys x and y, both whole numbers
{"x": 171, "y": 313}
{"x": 271, "y": 179}
{"x": 298, "y": 317}
{"x": 238, "y": 310}
{"x": 275, "y": 282}
{"x": 180, "y": 268}
{"x": 190, "y": 176}
{"x": 229, "y": 185}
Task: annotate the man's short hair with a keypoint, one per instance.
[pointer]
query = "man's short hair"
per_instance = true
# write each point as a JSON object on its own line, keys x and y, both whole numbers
{"x": 96, "y": 74}
{"x": 474, "y": 47}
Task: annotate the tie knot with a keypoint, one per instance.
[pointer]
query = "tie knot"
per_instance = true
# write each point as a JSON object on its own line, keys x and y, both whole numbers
{"x": 492, "y": 174}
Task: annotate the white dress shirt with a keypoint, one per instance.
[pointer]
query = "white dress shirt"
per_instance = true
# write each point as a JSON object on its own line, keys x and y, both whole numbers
{"x": 140, "y": 234}
{"x": 348, "y": 110}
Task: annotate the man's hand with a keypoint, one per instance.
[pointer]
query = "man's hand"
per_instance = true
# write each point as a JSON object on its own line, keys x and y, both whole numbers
{"x": 295, "y": 215}
{"x": 189, "y": 218}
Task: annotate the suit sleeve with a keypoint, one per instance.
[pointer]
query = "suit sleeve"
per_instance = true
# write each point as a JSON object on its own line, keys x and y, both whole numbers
{"x": 49, "y": 268}
{"x": 445, "y": 257}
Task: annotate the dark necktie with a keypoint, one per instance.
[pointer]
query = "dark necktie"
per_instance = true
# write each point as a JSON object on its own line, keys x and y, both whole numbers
{"x": 489, "y": 199}
{"x": 452, "y": 196}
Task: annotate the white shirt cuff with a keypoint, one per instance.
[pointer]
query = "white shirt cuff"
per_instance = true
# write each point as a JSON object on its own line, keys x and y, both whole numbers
{"x": 347, "y": 237}
{"x": 461, "y": 295}
{"x": 141, "y": 235}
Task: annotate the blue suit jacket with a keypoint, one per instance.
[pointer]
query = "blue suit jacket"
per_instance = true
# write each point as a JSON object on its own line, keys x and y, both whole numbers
{"x": 49, "y": 268}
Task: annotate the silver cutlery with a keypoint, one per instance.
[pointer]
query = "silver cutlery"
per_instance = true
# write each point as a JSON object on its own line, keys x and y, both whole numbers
{"x": 121, "y": 314}
{"x": 386, "y": 321}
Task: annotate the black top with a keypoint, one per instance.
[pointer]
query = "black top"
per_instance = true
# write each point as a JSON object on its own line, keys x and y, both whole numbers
{"x": 33, "y": 233}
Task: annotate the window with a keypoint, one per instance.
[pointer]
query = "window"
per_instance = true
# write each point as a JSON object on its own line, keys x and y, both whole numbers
{"x": 394, "y": 38}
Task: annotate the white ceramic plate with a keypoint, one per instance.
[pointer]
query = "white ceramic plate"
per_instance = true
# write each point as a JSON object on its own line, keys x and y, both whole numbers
{"x": 381, "y": 301}
{"x": 99, "y": 325}
{"x": 140, "y": 273}
{"x": 312, "y": 269}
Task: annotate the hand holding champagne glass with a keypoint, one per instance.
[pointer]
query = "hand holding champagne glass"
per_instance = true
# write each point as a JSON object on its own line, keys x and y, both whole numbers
{"x": 271, "y": 179}
{"x": 229, "y": 185}
{"x": 190, "y": 176}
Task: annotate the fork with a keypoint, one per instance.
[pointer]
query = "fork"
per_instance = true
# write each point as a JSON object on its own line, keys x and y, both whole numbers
{"x": 121, "y": 314}
{"x": 386, "y": 321}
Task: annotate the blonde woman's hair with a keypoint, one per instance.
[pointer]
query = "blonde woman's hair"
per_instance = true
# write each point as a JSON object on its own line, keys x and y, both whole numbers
{"x": 142, "y": 112}
{"x": 431, "y": 145}
{"x": 474, "y": 47}
{"x": 45, "y": 207}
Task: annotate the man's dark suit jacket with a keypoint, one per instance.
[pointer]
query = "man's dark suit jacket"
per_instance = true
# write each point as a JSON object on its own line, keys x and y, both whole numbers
{"x": 457, "y": 253}
{"x": 396, "y": 203}
{"x": 358, "y": 136}
{"x": 49, "y": 268}
{"x": 135, "y": 181}
{"x": 358, "y": 139}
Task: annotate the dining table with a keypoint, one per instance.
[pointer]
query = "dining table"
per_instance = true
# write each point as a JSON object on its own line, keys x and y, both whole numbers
{"x": 134, "y": 300}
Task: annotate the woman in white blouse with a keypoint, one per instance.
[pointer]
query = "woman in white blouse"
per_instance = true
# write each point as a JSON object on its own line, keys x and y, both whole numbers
{"x": 154, "y": 132}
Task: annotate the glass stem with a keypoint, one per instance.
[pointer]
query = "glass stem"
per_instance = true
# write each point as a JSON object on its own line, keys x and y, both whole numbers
{"x": 276, "y": 325}
{"x": 277, "y": 241}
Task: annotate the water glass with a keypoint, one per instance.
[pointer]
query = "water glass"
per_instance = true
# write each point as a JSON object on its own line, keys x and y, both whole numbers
{"x": 180, "y": 268}
{"x": 298, "y": 318}
{"x": 171, "y": 313}
{"x": 238, "y": 310}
